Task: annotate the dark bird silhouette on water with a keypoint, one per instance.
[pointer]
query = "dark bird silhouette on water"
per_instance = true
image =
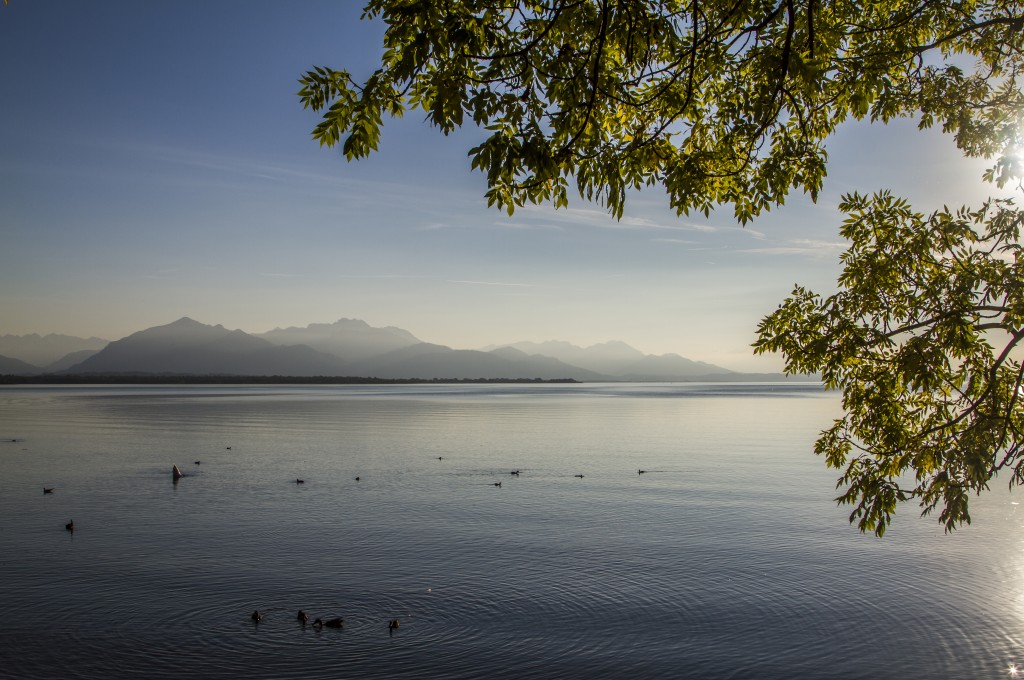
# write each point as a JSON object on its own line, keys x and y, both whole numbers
{"x": 329, "y": 623}
{"x": 640, "y": 472}
{"x": 497, "y": 484}
{"x": 515, "y": 472}
{"x": 302, "y": 617}
{"x": 300, "y": 481}
{"x": 70, "y": 526}
{"x": 580, "y": 476}
{"x": 198, "y": 462}
{"x": 256, "y": 616}
{"x": 392, "y": 626}
{"x": 357, "y": 479}
{"x": 47, "y": 490}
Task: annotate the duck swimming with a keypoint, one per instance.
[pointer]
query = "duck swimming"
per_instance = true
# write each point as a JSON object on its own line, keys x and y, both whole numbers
{"x": 330, "y": 623}
{"x": 256, "y": 616}
{"x": 70, "y": 526}
{"x": 300, "y": 481}
{"x": 47, "y": 490}
{"x": 302, "y": 617}
{"x": 392, "y": 626}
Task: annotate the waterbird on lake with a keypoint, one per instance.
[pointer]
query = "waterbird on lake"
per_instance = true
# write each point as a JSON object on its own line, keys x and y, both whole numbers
{"x": 580, "y": 476}
{"x": 47, "y": 490}
{"x": 440, "y": 457}
{"x": 640, "y": 472}
{"x": 303, "y": 617}
{"x": 176, "y": 473}
{"x": 515, "y": 472}
{"x": 228, "y": 448}
{"x": 497, "y": 484}
{"x": 70, "y": 526}
{"x": 198, "y": 462}
{"x": 392, "y": 626}
{"x": 300, "y": 481}
{"x": 330, "y": 623}
{"x": 256, "y": 616}
{"x": 357, "y": 479}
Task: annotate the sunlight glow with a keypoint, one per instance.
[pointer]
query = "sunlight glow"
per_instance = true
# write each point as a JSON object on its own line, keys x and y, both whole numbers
{"x": 1016, "y": 154}
{"x": 1013, "y": 670}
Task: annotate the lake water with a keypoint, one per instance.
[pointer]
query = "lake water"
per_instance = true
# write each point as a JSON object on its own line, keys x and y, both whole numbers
{"x": 727, "y": 558}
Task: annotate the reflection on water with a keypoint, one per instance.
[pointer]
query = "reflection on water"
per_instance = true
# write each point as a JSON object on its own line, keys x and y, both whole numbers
{"x": 725, "y": 558}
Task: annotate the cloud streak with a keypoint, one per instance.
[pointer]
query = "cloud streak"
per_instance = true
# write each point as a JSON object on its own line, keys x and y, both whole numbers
{"x": 802, "y": 247}
{"x": 493, "y": 283}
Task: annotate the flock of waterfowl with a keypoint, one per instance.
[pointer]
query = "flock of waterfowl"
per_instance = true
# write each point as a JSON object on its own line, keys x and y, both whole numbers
{"x": 176, "y": 474}
{"x": 302, "y": 617}
{"x": 257, "y": 615}
{"x": 337, "y": 622}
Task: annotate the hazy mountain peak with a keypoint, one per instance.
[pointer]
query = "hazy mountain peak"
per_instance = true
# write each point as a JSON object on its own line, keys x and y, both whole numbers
{"x": 46, "y": 349}
{"x": 615, "y": 346}
{"x": 613, "y": 350}
{"x": 187, "y": 346}
{"x": 184, "y": 330}
{"x": 189, "y": 322}
{"x": 350, "y": 339}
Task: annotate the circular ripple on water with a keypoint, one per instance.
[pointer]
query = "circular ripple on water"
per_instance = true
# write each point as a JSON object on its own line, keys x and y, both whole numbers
{"x": 221, "y": 638}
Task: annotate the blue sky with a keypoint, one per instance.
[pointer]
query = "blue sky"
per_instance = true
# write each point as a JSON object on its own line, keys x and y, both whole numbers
{"x": 155, "y": 162}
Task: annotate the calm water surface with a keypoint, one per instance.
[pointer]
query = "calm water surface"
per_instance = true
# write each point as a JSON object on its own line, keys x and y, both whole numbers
{"x": 726, "y": 559}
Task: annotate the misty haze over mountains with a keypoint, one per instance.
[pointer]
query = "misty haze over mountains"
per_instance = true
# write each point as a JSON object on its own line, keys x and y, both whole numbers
{"x": 348, "y": 347}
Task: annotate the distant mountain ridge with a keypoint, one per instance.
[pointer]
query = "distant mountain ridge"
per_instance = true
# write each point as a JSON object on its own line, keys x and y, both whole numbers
{"x": 350, "y": 339}
{"x": 189, "y": 347}
{"x": 623, "y": 362}
{"x": 353, "y": 348}
{"x": 43, "y": 350}
{"x": 12, "y": 366}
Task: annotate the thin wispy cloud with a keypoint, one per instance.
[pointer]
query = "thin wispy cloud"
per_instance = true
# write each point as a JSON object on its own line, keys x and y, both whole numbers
{"x": 411, "y": 277}
{"x": 802, "y": 247}
{"x": 522, "y": 225}
{"x": 243, "y": 170}
{"x": 677, "y": 241}
{"x": 493, "y": 283}
{"x": 600, "y": 219}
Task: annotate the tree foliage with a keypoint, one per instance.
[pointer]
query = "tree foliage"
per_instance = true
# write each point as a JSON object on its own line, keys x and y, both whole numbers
{"x": 718, "y": 101}
{"x": 732, "y": 102}
{"x": 919, "y": 339}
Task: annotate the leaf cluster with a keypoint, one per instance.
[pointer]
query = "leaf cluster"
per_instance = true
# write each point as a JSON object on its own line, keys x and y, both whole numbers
{"x": 920, "y": 341}
{"x": 718, "y": 101}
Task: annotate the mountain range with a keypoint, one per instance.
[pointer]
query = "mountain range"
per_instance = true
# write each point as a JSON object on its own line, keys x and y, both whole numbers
{"x": 348, "y": 347}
